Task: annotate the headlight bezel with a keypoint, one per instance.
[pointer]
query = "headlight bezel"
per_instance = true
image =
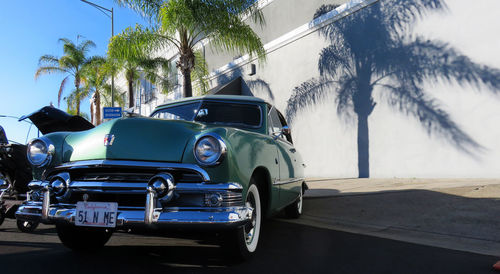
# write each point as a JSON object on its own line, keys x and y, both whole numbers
{"x": 49, "y": 147}
{"x": 222, "y": 149}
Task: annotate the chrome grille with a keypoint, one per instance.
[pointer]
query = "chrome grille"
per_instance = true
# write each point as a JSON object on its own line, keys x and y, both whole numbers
{"x": 131, "y": 176}
{"x": 124, "y": 185}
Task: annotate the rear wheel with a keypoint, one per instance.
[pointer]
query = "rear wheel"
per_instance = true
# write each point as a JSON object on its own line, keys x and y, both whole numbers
{"x": 27, "y": 226}
{"x": 295, "y": 209}
{"x": 243, "y": 241}
{"x": 83, "y": 238}
{"x": 2, "y": 215}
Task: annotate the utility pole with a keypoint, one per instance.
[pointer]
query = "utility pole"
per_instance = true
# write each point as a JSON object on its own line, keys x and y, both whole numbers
{"x": 104, "y": 11}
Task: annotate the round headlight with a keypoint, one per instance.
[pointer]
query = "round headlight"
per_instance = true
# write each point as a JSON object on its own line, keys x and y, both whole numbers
{"x": 40, "y": 152}
{"x": 209, "y": 149}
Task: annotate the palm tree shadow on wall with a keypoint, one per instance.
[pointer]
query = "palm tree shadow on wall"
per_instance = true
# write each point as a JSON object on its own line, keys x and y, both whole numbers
{"x": 371, "y": 48}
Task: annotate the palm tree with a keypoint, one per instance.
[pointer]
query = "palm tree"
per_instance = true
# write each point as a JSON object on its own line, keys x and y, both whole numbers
{"x": 128, "y": 53}
{"x": 369, "y": 49}
{"x": 71, "y": 64}
{"x": 95, "y": 77}
{"x": 185, "y": 23}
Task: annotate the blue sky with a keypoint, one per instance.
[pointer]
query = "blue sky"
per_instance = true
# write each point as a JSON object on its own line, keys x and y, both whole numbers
{"x": 30, "y": 29}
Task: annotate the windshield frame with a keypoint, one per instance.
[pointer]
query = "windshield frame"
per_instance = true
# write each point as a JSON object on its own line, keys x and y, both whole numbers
{"x": 200, "y": 103}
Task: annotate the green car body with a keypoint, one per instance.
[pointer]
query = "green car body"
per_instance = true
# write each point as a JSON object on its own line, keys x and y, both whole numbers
{"x": 252, "y": 154}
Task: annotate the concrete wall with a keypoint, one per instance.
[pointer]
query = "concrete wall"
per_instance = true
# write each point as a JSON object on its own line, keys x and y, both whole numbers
{"x": 281, "y": 17}
{"x": 431, "y": 66}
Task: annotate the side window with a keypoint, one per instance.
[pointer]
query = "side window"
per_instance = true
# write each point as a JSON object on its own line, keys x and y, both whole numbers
{"x": 180, "y": 112}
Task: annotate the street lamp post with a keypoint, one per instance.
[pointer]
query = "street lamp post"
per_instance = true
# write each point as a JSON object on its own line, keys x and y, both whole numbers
{"x": 104, "y": 10}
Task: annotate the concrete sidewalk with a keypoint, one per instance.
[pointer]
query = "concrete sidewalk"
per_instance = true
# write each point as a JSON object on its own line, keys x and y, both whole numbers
{"x": 460, "y": 214}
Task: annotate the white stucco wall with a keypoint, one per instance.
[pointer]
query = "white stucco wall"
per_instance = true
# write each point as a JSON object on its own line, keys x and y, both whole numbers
{"x": 399, "y": 145}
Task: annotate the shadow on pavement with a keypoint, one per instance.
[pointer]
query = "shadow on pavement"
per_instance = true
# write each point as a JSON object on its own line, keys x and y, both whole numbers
{"x": 284, "y": 248}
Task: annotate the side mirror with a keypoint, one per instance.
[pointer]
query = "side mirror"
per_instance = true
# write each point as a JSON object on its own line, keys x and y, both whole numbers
{"x": 286, "y": 130}
{"x": 202, "y": 113}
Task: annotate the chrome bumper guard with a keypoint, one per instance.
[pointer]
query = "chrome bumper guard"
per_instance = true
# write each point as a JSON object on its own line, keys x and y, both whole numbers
{"x": 128, "y": 217}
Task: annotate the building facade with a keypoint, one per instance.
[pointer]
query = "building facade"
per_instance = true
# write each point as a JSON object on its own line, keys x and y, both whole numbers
{"x": 388, "y": 88}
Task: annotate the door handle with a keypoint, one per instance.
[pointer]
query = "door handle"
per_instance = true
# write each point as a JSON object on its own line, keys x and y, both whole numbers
{"x": 293, "y": 150}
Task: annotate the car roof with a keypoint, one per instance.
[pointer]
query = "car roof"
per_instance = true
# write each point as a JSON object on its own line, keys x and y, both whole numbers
{"x": 215, "y": 97}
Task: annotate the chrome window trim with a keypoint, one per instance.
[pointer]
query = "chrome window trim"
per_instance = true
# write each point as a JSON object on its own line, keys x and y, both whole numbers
{"x": 159, "y": 110}
{"x": 200, "y": 103}
{"x": 256, "y": 104}
{"x": 128, "y": 163}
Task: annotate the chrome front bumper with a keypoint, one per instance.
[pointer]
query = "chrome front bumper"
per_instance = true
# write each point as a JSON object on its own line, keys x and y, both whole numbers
{"x": 217, "y": 218}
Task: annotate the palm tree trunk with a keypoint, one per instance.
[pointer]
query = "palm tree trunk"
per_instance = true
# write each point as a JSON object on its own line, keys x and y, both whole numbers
{"x": 92, "y": 120}
{"x": 77, "y": 97}
{"x": 130, "y": 94}
{"x": 363, "y": 147}
{"x": 187, "y": 87}
{"x": 97, "y": 101}
{"x": 78, "y": 106}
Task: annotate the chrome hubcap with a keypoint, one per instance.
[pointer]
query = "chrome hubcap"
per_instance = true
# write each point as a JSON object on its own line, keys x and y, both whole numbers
{"x": 299, "y": 204}
{"x": 250, "y": 227}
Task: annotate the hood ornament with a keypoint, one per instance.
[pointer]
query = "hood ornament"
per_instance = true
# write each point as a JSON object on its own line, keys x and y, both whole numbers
{"x": 109, "y": 139}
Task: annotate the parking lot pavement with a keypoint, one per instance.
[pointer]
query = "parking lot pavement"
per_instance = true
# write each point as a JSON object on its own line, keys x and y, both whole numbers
{"x": 460, "y": 214}
{"x": 284, "y": 248}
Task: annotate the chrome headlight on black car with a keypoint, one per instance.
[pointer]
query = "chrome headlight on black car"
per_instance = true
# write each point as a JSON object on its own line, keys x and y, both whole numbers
{"x": 40, "y": 152}
{"x": 209, "y": 149}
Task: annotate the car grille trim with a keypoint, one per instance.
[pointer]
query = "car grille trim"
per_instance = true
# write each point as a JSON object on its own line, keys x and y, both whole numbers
{"x": 158, "y": 166}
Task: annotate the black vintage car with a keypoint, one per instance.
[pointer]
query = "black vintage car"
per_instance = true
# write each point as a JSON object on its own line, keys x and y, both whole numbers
{"x": 15, "y": 174}
{"x": 15, "y": 169}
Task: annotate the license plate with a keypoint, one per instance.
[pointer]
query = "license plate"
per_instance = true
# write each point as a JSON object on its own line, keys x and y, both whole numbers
{"x": 98, "y": 214}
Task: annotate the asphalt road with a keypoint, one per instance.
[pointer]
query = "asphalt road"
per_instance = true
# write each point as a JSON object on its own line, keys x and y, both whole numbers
{"x": 284, "y": 248}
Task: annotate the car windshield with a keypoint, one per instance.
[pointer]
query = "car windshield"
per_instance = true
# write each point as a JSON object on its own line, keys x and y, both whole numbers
{"x": 218, "y": 113}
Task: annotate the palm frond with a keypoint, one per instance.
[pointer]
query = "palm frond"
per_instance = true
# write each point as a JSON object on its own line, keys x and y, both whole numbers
{"x": 85, "y": 46}
{"x": 438, "y": 60}
{"x": 148, "y": 9}
{"x": 237, "y": 37}
{"x": 118, "y": 96}
{"x": 333, "y": 59}
{"x": 48, "y": 60}
{"x": 200, "y": 73}
{"x": 48, "y": 70}
{"x": 410, "y": 100}
{"x": 133, "y": 45}
{"x": 307, "y": 94}
{"x": 400, "y": 14}
{"x": 61, "y": 88}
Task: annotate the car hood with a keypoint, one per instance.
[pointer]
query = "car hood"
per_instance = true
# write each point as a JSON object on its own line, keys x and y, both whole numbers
{"x": 145, "y": 139}
{"x": 50, "y": 119}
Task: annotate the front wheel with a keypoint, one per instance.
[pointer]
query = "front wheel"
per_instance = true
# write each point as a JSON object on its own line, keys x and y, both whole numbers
{"x": 83, "y": 238}
{"x": 243, "y": 241}
{"x": 27, "y": 226}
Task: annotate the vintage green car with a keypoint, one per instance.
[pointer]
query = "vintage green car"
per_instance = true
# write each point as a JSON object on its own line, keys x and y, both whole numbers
{"x": 211, "y": 163}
